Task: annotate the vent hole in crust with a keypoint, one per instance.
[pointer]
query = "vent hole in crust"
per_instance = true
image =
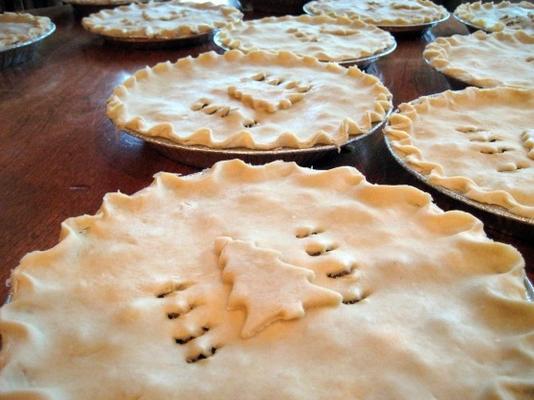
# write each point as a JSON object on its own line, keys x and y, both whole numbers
{"x": 202, "y": 356}
{"x": 173, "y": 288}
{"x": 250, "y": 123}
{"x": 183, "y": 340}
{"x": 339, "y": 274}
{"x": 353, "y": 300}
{"x": 303, "y": 233}
{"x": 173, "y": 315}
{"x": 315, "y": 251}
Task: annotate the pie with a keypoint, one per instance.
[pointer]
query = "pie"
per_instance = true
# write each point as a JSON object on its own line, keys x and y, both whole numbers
{"x": 485, "y": 60}
{"x": 17, "y": 28}
{"x": 495, "y": 17}
{"x": 383, "y": 13}
{"x": 258, "y": 100}
{"x": 161, "y": 20}
{"x": 323, "y": 37}
{"x": 270, "y": 282}
{"x": 101, "y": 2}
{"x": 478, "y": 142}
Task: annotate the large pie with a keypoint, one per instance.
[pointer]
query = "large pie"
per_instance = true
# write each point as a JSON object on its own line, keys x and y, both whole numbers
{"x": 19, "y": 28}
{"x": 271, "y": 282}
{"x": 326, "y": 38}
{"x": 477, "y": 142}
{"x": 495, "y": 17}
{"x": 161, "y": 20}
{"x": 258, "y": 100}
{"x": 383, "y": 13}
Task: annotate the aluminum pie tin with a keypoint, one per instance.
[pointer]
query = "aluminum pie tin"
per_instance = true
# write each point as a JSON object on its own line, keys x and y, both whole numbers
{"x": 469, "y": 25}
{"x": 24, "y": 51}
{"x": 204, "y": 157}
{"x": 159, "y": 43}
{"x": 505, "y": 222}
{"x": 361, "y": 63}
{"x": 398, "y": 28}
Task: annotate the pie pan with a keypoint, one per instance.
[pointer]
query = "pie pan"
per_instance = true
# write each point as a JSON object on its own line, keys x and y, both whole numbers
{"x": 144, "y": 43}
{"x": 22, "y": 52}
{"x": 470, "y": 26}
{"x": 204, "y": 157}
{"x": 399, "y": 28}
{"x": 492, "y": 215}
{"x": 454, "y": 83}
{"x": 361, "y": 63}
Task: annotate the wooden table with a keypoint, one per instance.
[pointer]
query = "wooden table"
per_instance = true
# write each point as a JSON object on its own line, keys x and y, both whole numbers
{"x": 60, "y": 154}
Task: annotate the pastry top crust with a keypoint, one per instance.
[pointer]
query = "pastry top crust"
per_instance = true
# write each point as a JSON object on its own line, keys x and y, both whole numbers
{"x": 257, "y": 100}
{"x": 383, "y": 13}
{"x": 323, "y": 37}
{"x": 17, "y": 28}
{"x": 485, "y": 60}
{"x": 478, "y": 142}
{"x": 495, "y": 17}
{"x": 219, "y": 284}
{"x": 161, "y": 20}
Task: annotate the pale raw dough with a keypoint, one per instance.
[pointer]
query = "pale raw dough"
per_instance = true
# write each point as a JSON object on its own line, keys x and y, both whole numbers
{"x": 323, "y": 37}
{"x": 259, "y": 100}
{"x": 485, "y": 60}
{"x": 477, "y": 142}
{"x": 386, "y": 296}
{"x": 494, "y": 17}
{"x": 382, "y": 13}
{"x": 161, "y": 20}
{"x": 18, "y": 28}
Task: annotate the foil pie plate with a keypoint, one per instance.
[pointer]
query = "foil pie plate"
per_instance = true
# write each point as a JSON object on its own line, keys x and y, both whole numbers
{"x": 204, "y": 157}
{"x": 494, "y": 216}
{"x": 22, "y": 52}
{"x": 470, "y": 27}
{"x": 418, "y": 28}
{"x": 148, "y": 44}
{"x": 361, "y": 63}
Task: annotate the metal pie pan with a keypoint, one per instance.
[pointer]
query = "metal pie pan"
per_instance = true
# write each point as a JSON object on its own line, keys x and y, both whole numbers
{"x": 398, "y": 28}
{"x": 85, "y": 9}
{"x": 469, "y": 25}
{"x": 159, "y": 43}
{"x": 204, "y": 157}
{"x": 454, "y": 83}
{"x": 361, "y": 63}
{"x": 500, "y": 218}
{"x": 22, "y": 52}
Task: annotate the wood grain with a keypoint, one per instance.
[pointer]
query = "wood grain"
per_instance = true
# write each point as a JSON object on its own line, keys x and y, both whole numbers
{"x": 60, "y": 154}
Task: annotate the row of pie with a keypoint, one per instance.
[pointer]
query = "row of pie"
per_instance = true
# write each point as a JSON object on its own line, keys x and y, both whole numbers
{"x": 276, "y": 281}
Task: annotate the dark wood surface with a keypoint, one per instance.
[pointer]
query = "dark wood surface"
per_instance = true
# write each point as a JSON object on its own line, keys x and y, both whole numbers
{"x": 60, "y": 154}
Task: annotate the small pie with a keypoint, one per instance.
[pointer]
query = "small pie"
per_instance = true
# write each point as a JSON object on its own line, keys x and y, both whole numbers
{"x": 383, "y": 13}
{"x": 161, "y": 20}
{"x": 258, "y": 100}
{"x": 478, "y": 142}
{"x": 270, "y": 282}
{"x": 323, "y": 37}
{"x": 485, "y": 60}
{"x": 15, "y": 28}
{"x": 496, "y": 17}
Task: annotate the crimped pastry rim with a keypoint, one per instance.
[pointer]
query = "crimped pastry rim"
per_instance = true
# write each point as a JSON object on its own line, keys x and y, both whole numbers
{"x": 462, "y": 13}
{"x": 225, "y": 37}
{"x": 179, "y": 32}
{"x": 435, "y": 53}
{"x": 392, "y": 143}
{"x": 116, "y": 108}
{"x": 393, "y": 24}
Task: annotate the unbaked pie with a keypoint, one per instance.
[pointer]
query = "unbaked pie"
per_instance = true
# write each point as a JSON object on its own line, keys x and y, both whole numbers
{"x": 485, "y": 60}
{"x": 494, "y": 17}
{"x": 17, "y": 28}
{"x": 478, "y": 142}
{"x": 271, "y": 282}
{"x": 258, "y": 100}
{"x": 323, "y": 37}
{"x": 103, "y": 3}
{"x": 383, "y": 13}
{"x": 161, "y": 20}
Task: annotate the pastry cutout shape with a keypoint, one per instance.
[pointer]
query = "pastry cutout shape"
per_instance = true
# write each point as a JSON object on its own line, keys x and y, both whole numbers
{"x": 268, "y": 288}
{"x": 269, "y": 93}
